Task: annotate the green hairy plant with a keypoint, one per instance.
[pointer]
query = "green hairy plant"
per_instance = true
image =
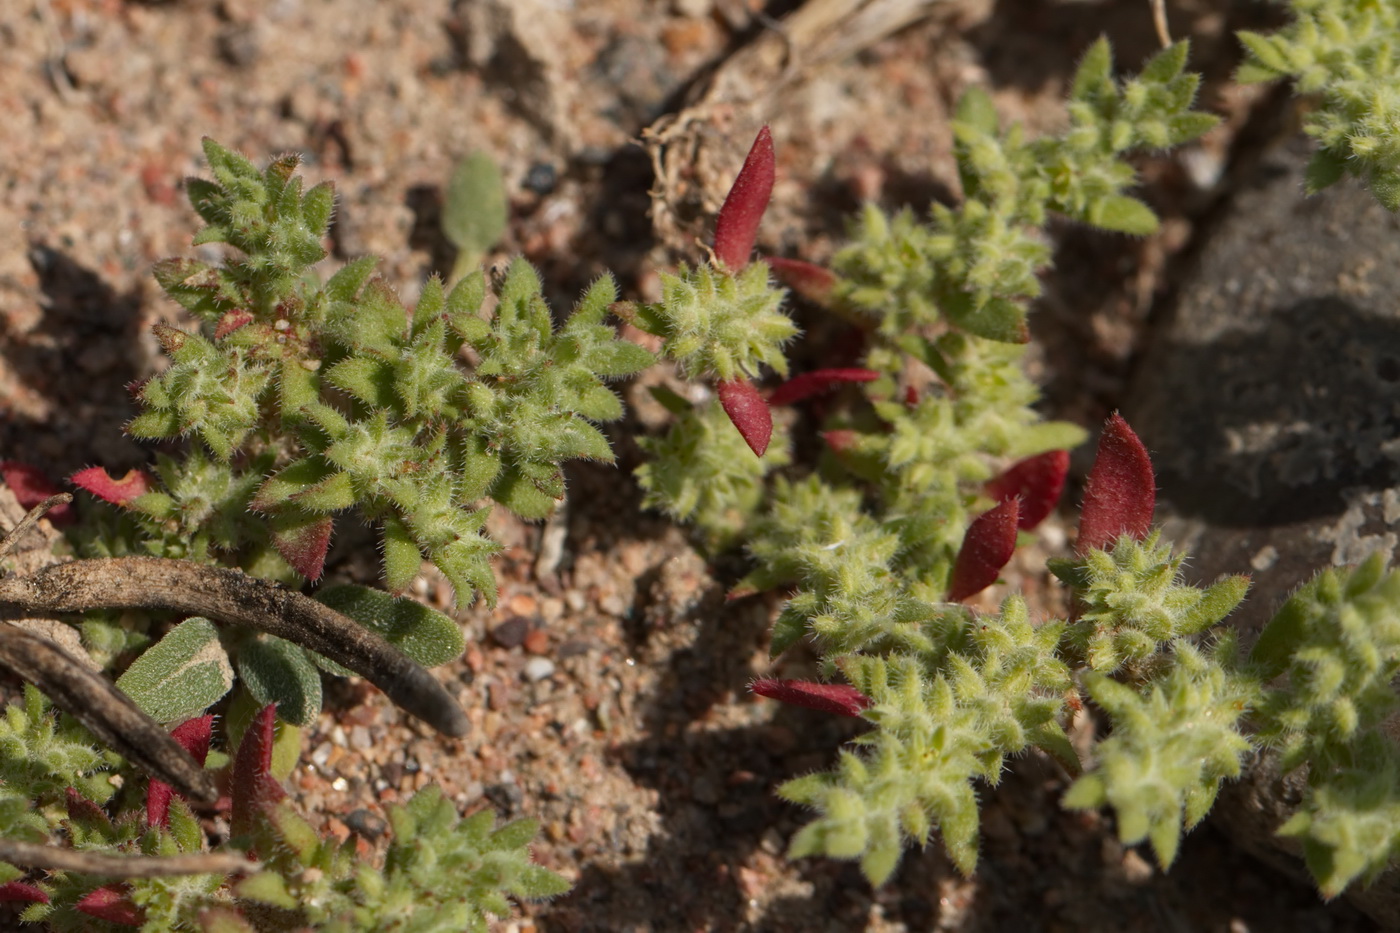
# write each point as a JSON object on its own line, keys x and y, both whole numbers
{"x": 301, "y": 399}
{"x": 440, "y": 871}
{"x": 1344, "y": 53}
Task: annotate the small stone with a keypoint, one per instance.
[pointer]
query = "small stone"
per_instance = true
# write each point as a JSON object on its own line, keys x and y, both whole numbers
{"x": 541, "y": 178}
{"x": 573, "y": 648}
{"x": 538, "y": 668}
{"x": 511, "y": 633}
{"x": 365, "y": 824}
{"x": 537, "y": 641}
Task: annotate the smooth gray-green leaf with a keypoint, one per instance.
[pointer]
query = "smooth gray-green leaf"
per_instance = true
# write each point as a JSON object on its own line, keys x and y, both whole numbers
{"x": 181, "y": 675}
{"x": 277, "y": 671}
{"x": 425, "y": 635}
{"x": 474, "y": 211}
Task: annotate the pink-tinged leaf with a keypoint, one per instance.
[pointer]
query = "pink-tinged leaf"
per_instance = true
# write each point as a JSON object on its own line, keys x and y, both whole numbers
{"x": 21, "y": 892}
{"x": 749, "y": 412}
{"x": 254, "y": 789}
{"x": 811, "y": 281}
{"x": 840, "y": 440}
{"x": 1037, "y": 481}
{"x": 116, "y": 491}
{"x": 84, "y": 811}
{"x": 158, "y": 794}
{"x": 193, "y": 736}
{"x": 31, "y": 487}
{"x": 817, "y": 381}
{"x": 231, "y": 321}
{"x": 1120, "y": 491}
{"x": 171, "y": 339}
{"x": 302, "y": 540}
{"x": 987, "y": 547}
{"x": 841, "y": 699}
{"x": 736, "y": 227}
{"x": 111, "y": 904}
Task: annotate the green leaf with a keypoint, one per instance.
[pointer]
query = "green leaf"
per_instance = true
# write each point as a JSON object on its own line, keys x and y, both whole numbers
{"x": 1266, "y": 54}
{"x": 277, "y": 671}
{"x": 402, "y": 557}
{"x": 346, "y": 284}
{"x": 155, "y": 425}
{"x": 1166, "y": 64}
{"x": 522, "y": 495}
{"x": 290, "y": 482}
{"x": 977, "y": 109}
{"x": 1123, "y": 214}
{"x": 317, "y": 208}
{"x": 1218, "y": 601}
{"x": 184, "y": 825}
{"x": 266, "y": 887}
{"x": 425, "y": 635}
{"x": 474, "y": 212}
{"x": 1325, "y": 169}
{"x": 297, "y": 385}
{"x": 998, "y": 319}
{"x": 180, "y": 676}
{"x": 537, "y": 882}
{"x": 1095, "y": 74}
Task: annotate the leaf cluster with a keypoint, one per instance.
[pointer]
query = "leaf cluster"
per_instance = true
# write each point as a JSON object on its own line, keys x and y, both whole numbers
{"x": 974, "y": 267}
{"x": 1344, "y": 52}
{"x": 440, "y": 871}
{"x": 1332, "y": 654}
{"x": 415, "y": 417}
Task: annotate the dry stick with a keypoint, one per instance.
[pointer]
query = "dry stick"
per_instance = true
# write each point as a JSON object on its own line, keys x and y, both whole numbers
{"x": 108, "y": 714}
{"x": 31, "y": 518}
{"x": 232, "y": 596}
{"x": 33, "y": 855}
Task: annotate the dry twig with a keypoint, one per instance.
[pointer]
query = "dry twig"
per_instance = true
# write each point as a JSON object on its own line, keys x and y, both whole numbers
{"x": 33, "y": 855}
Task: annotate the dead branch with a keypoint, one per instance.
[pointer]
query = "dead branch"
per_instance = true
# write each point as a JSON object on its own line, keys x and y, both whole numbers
{"x": 233, "y": 596}
{"x": 33, "y": 855}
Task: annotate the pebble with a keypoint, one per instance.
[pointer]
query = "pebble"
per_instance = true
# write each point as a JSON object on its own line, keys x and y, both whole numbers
{"x": 537, "y": 641}
{"x": 512, "y": 632}
{"x": 538, "y": 668}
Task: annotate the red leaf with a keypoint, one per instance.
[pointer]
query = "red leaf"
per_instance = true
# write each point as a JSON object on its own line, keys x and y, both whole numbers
{"x": 818, "y": 380}
{"x": 20, "y": 892}
{"x": 841, "y": 699}
{"x": 1037, "y": 481}
{"x": 736, "y": 227}
{"x": 31, "y": 487}
{"x": 811, "y": 281}
{"x": 254, "y": 789}
{"x": 193, "y": 736}
{"x": 231, "y": 321}
{"x": 112, "y": 905}
{"x": 749, "y": 412}
{"x": 840, "y": 440}
{"x": 1120, "y": 491}
{"x": 987, "y": 547}
{"x": 116, "y": 491}
{"x": 303, "y": 540}
{"x": 83, "y": 810}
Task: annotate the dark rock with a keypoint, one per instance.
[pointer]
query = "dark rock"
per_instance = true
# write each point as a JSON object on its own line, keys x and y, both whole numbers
{"x": 1270, "y": 400}
{"x": 512, "y": 632}
{"x": 366, "y": 824}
